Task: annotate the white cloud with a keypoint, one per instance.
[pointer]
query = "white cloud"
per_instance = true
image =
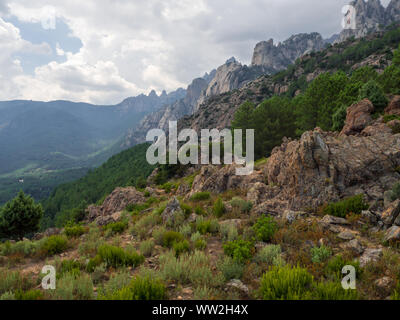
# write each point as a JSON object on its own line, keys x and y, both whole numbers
{"x": 131, "y": 47}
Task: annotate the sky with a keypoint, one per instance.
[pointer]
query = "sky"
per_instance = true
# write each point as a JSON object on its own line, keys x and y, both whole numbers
{"x": 103, "y": 51}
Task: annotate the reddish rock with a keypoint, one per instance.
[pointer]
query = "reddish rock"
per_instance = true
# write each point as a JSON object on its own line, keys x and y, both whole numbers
{"x": 358, "y": 117}
{"x": 394, "y": 106}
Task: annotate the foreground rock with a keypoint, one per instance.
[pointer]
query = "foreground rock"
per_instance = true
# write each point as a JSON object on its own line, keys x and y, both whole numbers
{"x": 358, "y": 117}
{"x": 370, "y": 255}
{"x": 394, "y": 106}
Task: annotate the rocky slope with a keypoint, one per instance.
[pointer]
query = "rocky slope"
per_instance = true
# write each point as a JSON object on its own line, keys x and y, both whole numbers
{"x": 271, "y": 57}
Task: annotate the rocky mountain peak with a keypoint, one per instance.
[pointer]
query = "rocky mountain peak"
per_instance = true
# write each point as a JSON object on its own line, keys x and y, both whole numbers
{"x": 267, "y": 55}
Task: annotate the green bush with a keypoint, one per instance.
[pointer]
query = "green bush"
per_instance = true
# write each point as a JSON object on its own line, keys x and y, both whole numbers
{"x": 117, "y": 227}
{"x": 201, "y": 196}
{"x": 140, "y": 288}
{"x": 181, "y": 247}
{"x": 219, "y": 208}
{"x": 333, "y": 291}
{"x": 395, "y": 193}
{"x": 200, "y": 244}
{"x": 231, "y": 269}
{"x": 265, "y": 228}
{"x": 72, "y": 287}
{"x": 54, "y": 245}
{"x": 187, "y": 209}
{"x": 93, "y": 263}
{"x": 336, "y": 264}
{"x": 74, "y": 231}
{"x": 339, "y": 117}
{"x": 118, "y": 257}
{"x": 320, "y": 254}
{"x": 207, "y": 226}
{"x": 69, "y": 266}
{"x": 372, "y": 91}
{"x": 243, "y": 205}
{"x": 170, "y": 237}
{"x": 29, "y": 295}
{"x": 342, "y": 208}
{"x": 25, "y": 248}
{"x": 11, "y": 281}
{"x": 285, "y": 283}
{"x": 146, "y": 248}
{"x": 270, "y": 254}
{"x": 229, "y": 232}
{"x": 240, "y": 250}
{"x": 199, "y": 211}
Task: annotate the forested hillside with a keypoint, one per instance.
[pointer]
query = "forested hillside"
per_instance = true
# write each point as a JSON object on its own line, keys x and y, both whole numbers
{"x": 127, "y": 168}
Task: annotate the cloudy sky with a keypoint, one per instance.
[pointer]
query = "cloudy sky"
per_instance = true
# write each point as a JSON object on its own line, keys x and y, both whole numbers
{"x": 102, "y": 51}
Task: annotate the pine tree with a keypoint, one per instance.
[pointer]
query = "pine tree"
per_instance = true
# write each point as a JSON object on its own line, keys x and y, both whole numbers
{"x": 20, "y": 217}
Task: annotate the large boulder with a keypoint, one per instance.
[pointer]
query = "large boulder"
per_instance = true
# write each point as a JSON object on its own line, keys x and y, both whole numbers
{"x": 394, "y": 106}
{"x": 358, "y": 117}
{"x": 390, "y": 215}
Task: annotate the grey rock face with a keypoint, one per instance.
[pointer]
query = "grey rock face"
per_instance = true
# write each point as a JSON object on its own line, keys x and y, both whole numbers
{"x": 267, "y": 55}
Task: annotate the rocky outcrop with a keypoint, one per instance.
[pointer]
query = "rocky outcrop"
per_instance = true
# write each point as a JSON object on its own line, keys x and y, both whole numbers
{"x": 393, "y": 11}
{"x": 358, "y": 117}
{"x": 322, "y": 166}
{"x": 269, "y": 56}
{"x": 218, "y": 179}
{"x": 394, "y": 106}
{"x": 116, "y": 202}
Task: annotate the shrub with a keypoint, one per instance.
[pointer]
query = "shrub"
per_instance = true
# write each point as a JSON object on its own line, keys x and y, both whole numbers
{"x": 54, "y": 245}
{"x": 146, "y": 248}
{"x": 158, "y": 234}
{"x": 117, "y": 257}
{"x": 181, "y": 247}
{"x": 199, "y": 211}
{"x": 187, "y": 209}
{"x": 11, "y": 281}
{"x": 265, "y": 228}
{"x": 243, "y": 205}
{"x": 29, "y": 295}
{"x": 320, "y": 254}
{"x": 395, "y": 193}
{"x": 74, "y": 231}
{"x": 285, "y": 283}
{"x": 269, "y": 254}
{"x": 240, "y": 250}
{"x": 201, "y": 196}
{"x": 342, "y": 208}
{"x": 229, "y": 232}
{"x": 117, "y": 281}
{"x": 145, "y": 223}
{"x": 332, "y": 291}
{"x": 93, "y": 263}
{"x": 25, "y": 248}
{"x": 230, "y": 268}
{"x": 70, "y": 287}
{"x": 192, "y": 268}
{"x": 117, "y": 227}
{"x": 336, "y": 264}
{"x": 170, "y": 237}
{"x": 200, "y": 244}
{"x": 339, "y": 117}
{"x": 69, "y": 266}
{"x": 372, "y": 91}
{"x": 140, "y": 288}
{"x": 219, "y": 208}
{"x": 207, "y": 226}
{"x": 186, "y": 230}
